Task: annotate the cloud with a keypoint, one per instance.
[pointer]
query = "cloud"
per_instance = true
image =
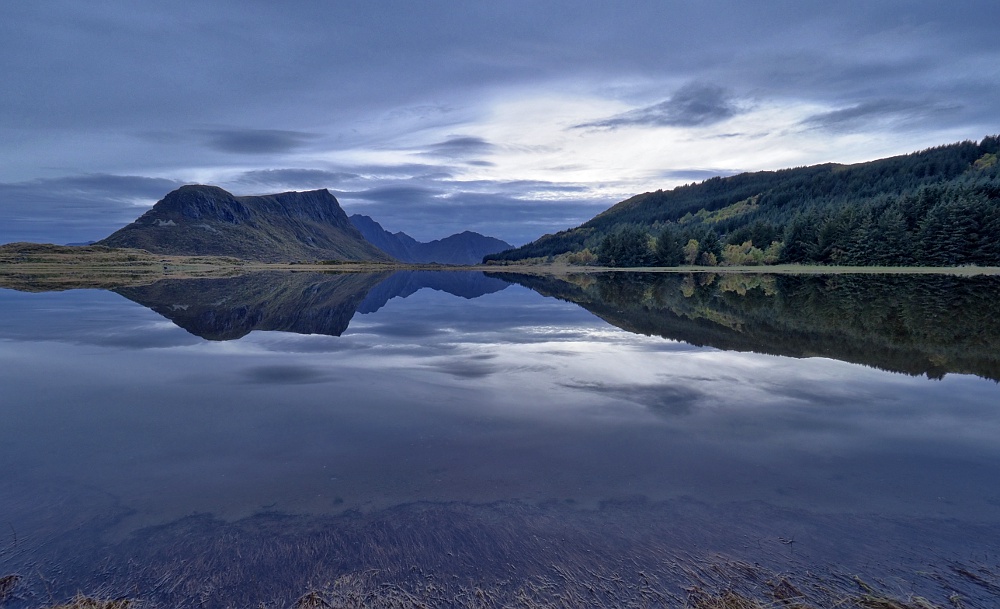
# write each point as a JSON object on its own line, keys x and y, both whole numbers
{"x": 107, "y": 92}
{"x": 696, "y": 175}
{"x": 395, "y": 194}
{"x": 256, "y": 141}
{"x": 865, "y": 114}
{"x": 297, "y": 178}
{"x": 75, "y": 208}
{"x": 693, "y": 105}
{"x": 461, "y": 148}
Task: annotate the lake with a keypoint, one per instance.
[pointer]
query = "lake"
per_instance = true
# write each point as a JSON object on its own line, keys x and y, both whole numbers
{"x": 473, "y": 439}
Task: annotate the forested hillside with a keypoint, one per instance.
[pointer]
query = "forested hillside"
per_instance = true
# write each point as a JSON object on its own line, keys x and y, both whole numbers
{"x": 937, "y": 207}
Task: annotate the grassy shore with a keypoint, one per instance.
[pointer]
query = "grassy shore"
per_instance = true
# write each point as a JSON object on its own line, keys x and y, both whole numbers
{"x": 43, "y": 267}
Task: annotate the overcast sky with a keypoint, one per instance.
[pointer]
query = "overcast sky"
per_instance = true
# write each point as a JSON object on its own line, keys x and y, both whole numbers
{"x": 512, "y": 118}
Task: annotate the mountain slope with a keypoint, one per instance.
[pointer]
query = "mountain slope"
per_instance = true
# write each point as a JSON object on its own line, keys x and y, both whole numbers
{"x": 462, "y": 248}
{"x": 939, "y": 207}
{"x": 206, "y": 220}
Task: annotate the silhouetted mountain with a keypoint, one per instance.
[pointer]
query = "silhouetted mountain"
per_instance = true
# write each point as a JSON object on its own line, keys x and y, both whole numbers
{"x": 462, "y": 248}
{"x": 915, "y": 324}
{"x": 206, "y": 220}
{"x": 937, "y": 207}
{"x": 303, "y": 303}
{"x": 397, "y": 245}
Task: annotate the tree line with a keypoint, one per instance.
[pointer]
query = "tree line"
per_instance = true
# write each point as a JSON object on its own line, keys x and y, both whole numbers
{"x": 939, "y": 207}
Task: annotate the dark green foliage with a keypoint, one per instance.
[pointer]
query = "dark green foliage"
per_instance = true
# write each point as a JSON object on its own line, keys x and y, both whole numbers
{"x": 760, "y": 233}
{"x": 935, "y": 207}
{"x": 709, "y": 243}
{"x": 628, "y": 246}
{"x": 669, "y": 247}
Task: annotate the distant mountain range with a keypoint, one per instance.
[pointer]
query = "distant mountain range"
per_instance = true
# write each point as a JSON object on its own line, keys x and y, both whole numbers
{"x": 207, "y": 220}
{"x": 463, "y": 248}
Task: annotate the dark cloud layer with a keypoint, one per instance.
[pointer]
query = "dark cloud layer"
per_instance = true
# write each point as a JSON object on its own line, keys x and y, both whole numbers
{"x": 694, "y": 105}
{"x": 255, "y": 141}
{"x": 297, "y": 178}
{"x": 460, "y": 147}
{"x": 265, "y": 95}
{"x": 862, "y": 115}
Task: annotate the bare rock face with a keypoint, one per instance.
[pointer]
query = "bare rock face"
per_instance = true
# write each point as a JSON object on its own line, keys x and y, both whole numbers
{"x": 284, "y": 227}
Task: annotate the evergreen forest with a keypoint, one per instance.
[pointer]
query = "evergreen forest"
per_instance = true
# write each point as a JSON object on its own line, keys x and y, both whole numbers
{"x": 936, "y": 207}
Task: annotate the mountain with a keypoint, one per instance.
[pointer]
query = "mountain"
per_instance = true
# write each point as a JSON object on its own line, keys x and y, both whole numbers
{"x": 937, "y": 207}
{"x": 463, "y": 248}
{"x": 207, "y": 220}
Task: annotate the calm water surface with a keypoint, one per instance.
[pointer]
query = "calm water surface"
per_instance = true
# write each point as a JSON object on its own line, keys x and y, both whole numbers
{"x": 419, "y": 416}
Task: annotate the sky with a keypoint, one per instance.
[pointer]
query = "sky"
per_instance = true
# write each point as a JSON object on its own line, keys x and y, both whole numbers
{"x": 513, "y": 119}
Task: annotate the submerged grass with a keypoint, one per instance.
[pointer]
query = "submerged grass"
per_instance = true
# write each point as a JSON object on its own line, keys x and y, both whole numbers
{"x": 628, "y": 554}
{"x": 86, "y": 602}
{"x": 7, "y": 585}
{"x": 366, "y": 591}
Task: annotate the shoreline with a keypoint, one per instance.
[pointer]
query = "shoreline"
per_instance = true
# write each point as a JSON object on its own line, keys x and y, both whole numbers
{"x": 42, "y": 267}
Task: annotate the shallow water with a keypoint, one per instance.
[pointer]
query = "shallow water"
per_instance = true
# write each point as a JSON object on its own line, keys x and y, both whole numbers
{"x": 286, "y": 406}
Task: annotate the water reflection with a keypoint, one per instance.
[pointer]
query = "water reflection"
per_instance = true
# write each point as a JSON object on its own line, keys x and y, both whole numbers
{"x": 917, "y": 324}
{"x": 493, "y": 438}
{"x": 303, "y": 303}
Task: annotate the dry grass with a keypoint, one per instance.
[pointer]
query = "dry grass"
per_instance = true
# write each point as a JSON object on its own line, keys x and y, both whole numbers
{"x": 86, "y": 602}
{"x": 7, "y": 585}
{"x": 366, "y": 590}
{"x": 37, "y": 267}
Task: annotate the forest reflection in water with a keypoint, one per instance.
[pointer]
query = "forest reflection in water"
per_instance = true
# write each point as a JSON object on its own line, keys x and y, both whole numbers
{"x": 916, "y": 324}
{"x": 456, "y": 431}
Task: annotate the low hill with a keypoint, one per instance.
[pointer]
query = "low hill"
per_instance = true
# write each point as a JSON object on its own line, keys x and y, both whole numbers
{"x": 207, "y": 220}
{"x": 937, "y": 207}
{"x": 462, "y": 248}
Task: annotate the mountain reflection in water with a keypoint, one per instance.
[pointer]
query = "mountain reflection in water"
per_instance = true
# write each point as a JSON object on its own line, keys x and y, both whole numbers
{"x": 488, "y": 442}
{"x": 916, "y": 324}
{"x": 303, "y": 303}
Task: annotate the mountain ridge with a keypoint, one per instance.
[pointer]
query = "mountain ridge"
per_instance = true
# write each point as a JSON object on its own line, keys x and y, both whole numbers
{"x": 466, "y": 247}
{"x": 283, "y": 227}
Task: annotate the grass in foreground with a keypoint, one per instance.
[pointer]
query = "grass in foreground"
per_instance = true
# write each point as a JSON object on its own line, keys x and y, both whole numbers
{"x": 352, "y": 591}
